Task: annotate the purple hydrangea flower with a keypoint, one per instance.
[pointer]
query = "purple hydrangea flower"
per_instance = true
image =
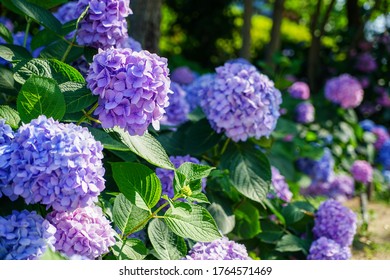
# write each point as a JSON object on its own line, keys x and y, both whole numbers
{"x": 382, "y": 135}
{"x": 133, "y": 88}
{"x": 239, "y": 60}
{"x": 367, "y": 125}
{"x": 6, "y": 137}
{"x": 166, "y": 176}
{"x": 327, "y": 249}
{"x": 280, "y": 186}
{"x": 131, "y": 43}
{"x": 335, "y": 221}
{"x": 176, "y": 112}
{"x": 299, "y": 90}
{"x": 84, "y": 232}
{"x": 105, "y": 24}
{"x": 362, "y": 171}
{"x": 242, "y": 102}
{"x": 220, "y": 249}
{"x": 342, "y": 187}
{"x": 25, "y": 236}
{"x": 183, "y": 75}
{"x": 55, "y": 164}
{"x": 318, "y": 170}
{"x": 316, "y": 188}
{"x": 344, "y": 90}
{"x": 198, "y": 88}
{"x": 6, "y": 133}
{"x": 384, "y": 155}
{"x": 68, "y": 12}
{"x": 304, "y": 113}
{"x": 366, "y": 62}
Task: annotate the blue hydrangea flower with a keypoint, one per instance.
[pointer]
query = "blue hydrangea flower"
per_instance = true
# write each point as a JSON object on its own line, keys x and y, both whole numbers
{"x": 280, "y": 186}
{"x": 105, "y": 24}
{"x": 342, "y": 187}
{"x": 133, "y": 89}
{"x": 131, "y": 43}
{"x": 198, "y": 88}
{"x": 6, "y": 137}
{"x": 335, "y": 221}
{"x": 25, "y": 236}
{"x": 384, "y": 155}
{"x": 220, "y": 249}
{"x": 367, "y": 125}
{"x": 178, "y": 109}
{"x": 58, "y": 165}
{"x": 68, "y": 12}
{"x": 327, "y": 249}
{"x": 83, "y": 232}
{"x": 242, "y": 102}
{"x": 183, "y": 75}
{"x": 318, "y": 170}
{"x": 304, "y": 113}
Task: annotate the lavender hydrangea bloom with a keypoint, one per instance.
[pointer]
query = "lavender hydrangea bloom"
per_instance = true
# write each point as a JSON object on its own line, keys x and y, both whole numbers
{"x": 84, "y": 232}
{"x": 220, "y": 249}
{"x": 366, "y": 63}
{"x": 176, "y": 112}
{"x": 362, "y": 171}
{"x": 25, "y": 236}
{"x": 198, "y": 88}
{"x": 316, "y": 188}
{"x": 280, "y": 187}
{"x": 384, "y": 155}
{"x": 304, "y": 113}
{"x": 166, "y": 176}
{"x": 242, "y": 102}
{"x": 344, "y": 90}
{"x": 318, "y": 170}
{"x": 55, "y": 164}
{"x": 6, "y": 133}
{"x": 131, "y": 43}
{"x": 335, "y": 221}
{"x": 68, "y": 12}
{"x": 6, "y": 137}
{"x": 342, "y": 187}
{"x": 105, "y": 24}
{"x": 183, "y": 75}
{"x": 299, "y": 90}
{"x": 327, "y": 249}
{"x": 133, "y": 88}
{"x": 382, "y": 135}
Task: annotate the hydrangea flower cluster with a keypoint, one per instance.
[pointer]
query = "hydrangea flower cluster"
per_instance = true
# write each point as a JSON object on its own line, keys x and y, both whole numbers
{"x": 280, "y": 186}
{"x": 327, "y": 249}
{"x": 55, "y": 164}
{"x": 384, "y": 155}
{"x": 367, "y": 125}
{"x": 362, "y": 171}
{"x": 366, "y": 63}
{"x": 84, "y": 232}
{"x": 183, "y": 75}
{"x": 25, "y": 236}
{"x": 341, "y": 188}
{"x": 6, "y": 137}
{"x": 344, "y": 90}
{"x": 336, "y": 222}
{"x": 105, "y": 24}
{"x": 68, "y": 12}
{"x": 166, "y": 176}
{"x": 299, "y": 90}
{"x": 318, "y": 170}
{"x": 198, "y": 88}
{"x": 178, "y": 109}
{"x": 382, "y": 135}
{"x": 304, "y": 113}
{"x": 242, "y": 102}
{"x": 131, "y": 43}
{"x": 133, "y": 88}
{"x": 220, "y": 249}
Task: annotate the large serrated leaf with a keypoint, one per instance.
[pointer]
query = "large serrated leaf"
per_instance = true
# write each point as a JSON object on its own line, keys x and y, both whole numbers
{"x": 194, "y": 171}
{"x": 130, "y": 249}
{"x": 40, "y": 96}
{"x": 138, "y": 183}
{"x": 145, "y": 146}
{"x": 10, "y": 116}
{"x": 292, "y": 243}
{"x": 196, "y": 224}
{"x": 127, "y": 216}
{"x": 77, "y": 96}
{"x": 14, "y": 53}
{"x": 107, "y": 141}
{"x": 168, "y": 245}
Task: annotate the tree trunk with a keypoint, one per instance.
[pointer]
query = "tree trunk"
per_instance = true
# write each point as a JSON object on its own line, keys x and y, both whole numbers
{"x": 245, "y": 51}
{"x": 145, "y": 23}
{"x": 274, "y": 44}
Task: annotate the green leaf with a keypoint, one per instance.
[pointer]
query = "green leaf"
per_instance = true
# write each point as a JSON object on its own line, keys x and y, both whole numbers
{"x": 10, "y": 116}
{"x": 292, "y": 214}
{"x": 14, "y": 53}
{"x": 107, "y": 141}
{"x": 7, "y": 82}
{"x": 247, "y": 220}
{"x": 198, "y": 197}
{"x": 145, "y": 146}
{"x": 168, "y": 245}
{"x": 57, "y": 49}
{"x": 250, "y": 171}
{"x": 39, "y": 14}
{"x": 77, "y": 96}
{"x": 6, "y": 34}
{"x": 48, "y": 4}
{"x": 196, "y": 224}
{"x": 138, "y": 183}
{"x": 130, "y": 249}
{"x": 292, "y": 243}
{"x": 222, "y": 212}
{"x": 40, "y": 96}
{"x": 194, "y": 171}
{"x": 127, "y": 216}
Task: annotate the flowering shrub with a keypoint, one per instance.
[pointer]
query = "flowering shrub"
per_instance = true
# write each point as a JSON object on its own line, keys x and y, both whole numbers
{"x": 344, "y": 90}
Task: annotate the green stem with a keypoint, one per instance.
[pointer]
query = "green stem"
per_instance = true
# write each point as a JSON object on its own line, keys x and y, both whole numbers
{"x": 225, "y": 146}
{"x": 26, "y": 32}
{"x": 88, "y": 114}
